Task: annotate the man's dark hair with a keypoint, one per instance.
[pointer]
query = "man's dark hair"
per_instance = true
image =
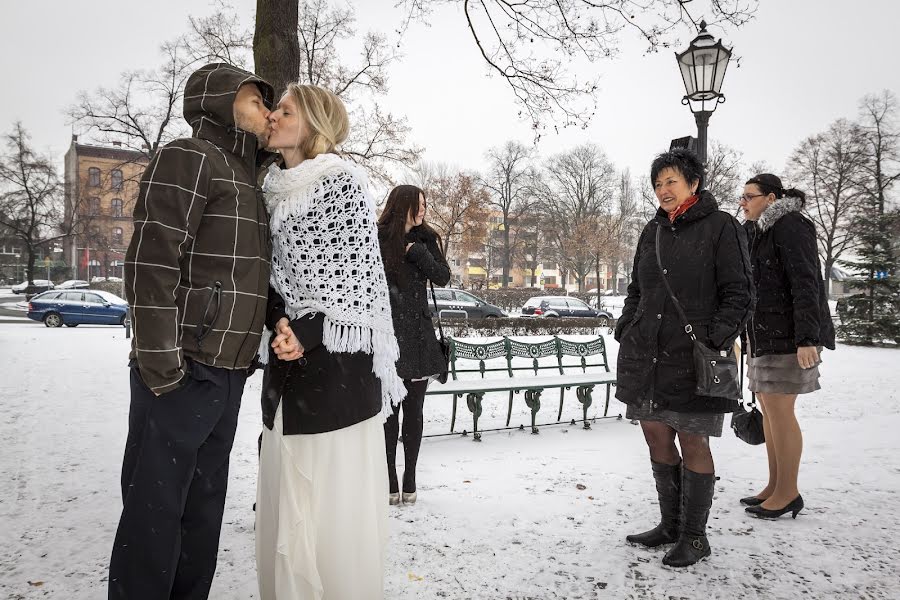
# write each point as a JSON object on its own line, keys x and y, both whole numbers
{"x": 682, "y": 160}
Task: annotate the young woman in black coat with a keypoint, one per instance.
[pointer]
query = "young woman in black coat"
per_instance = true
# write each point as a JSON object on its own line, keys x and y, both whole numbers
{"x": 789, "y": 327}
{"x": 412, "y": 255}
{"x": 704, "y": 258}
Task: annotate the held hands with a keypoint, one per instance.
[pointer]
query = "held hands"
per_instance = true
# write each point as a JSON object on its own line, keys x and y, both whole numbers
{"x": 285, "y": 343}
{"x": 807, "y": 356}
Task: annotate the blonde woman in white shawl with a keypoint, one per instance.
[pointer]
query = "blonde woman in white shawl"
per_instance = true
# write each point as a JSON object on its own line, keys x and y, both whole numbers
{"x": 330, "y": 381}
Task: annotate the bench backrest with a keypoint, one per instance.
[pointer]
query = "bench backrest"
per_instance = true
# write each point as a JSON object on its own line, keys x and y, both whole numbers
{"x": 578, "y": 356}
{"x": 518, "y": 356}
{"x": 467, "y": 357}
{"x": 526, "y": 356}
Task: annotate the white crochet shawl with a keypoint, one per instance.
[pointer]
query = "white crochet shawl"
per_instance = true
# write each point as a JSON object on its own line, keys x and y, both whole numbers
{"x": 326, "y": 259}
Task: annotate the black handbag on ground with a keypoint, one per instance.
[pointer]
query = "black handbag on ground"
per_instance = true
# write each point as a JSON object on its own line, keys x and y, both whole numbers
{"x": 445, "y": 345}
{"x": 717, "y": 370}
{"x": 748, "y": 425}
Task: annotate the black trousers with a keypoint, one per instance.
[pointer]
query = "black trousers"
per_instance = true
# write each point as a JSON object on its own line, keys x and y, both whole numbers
{"x": 174, "y": 478}
{"x": 413, "y": 423}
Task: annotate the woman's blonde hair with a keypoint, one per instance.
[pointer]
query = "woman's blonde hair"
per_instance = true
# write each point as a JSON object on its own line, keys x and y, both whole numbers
{"x": 325, "y": 115}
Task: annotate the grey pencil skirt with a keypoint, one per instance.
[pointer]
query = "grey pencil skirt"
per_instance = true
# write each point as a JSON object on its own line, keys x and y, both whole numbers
{"x": 708, "y": 424}
{"x": 781, "y": 374}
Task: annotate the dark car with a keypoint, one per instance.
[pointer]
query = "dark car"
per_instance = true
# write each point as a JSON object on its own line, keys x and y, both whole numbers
{"x": 458, "y": 300}
{"x": 32, "y": 289}
{"x": 76, "y": 307}
{"x": 563, "y": 306}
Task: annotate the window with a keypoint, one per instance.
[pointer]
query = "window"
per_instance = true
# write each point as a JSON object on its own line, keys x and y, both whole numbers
{"x": 118, "y": 208}
{"x": 94, "y": 177}
{"x": 115, "y": 177}
{"x": 117, "y": 236}
{"x": 549, "y": 279}
{"x": 576, "y": 303}
{"x": 557, "y": 302}
{"x": 93, "y": 299}
{"x": 464, "y": 297}
{"x": 93, "y": 206}
{"x": 51, "y": 295}
{"x": 71, "y": 297}
{"x": 444, "y": 295}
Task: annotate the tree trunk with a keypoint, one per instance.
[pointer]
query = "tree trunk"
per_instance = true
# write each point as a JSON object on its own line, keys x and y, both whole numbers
{"x": 276, "y": 47}
{"x": 506, "y": 253}
{"x": 31, "y": 261}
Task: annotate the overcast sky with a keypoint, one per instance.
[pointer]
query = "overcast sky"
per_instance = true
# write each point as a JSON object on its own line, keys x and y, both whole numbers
{"x": 804, "y": 64}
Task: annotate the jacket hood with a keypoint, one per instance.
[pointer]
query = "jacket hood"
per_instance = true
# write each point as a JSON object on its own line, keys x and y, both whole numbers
{"x": 706, "y": 205}
{"x": 209, "y": 106}
{"x": 776, "y": 210}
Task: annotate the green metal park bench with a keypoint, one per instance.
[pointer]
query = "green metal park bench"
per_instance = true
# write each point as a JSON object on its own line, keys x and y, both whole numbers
{"x": 515, "y": 366}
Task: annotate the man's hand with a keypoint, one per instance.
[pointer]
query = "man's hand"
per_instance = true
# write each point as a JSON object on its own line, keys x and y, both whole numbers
{"x": 807, "y": 356}
{"x": 285, "y": 343}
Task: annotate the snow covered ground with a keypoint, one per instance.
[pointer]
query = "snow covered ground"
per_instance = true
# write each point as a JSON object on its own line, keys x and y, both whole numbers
{"x": 516, "y": 516}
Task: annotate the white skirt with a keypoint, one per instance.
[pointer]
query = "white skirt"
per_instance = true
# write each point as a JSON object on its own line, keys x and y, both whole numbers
{"x": 321, "y": 513}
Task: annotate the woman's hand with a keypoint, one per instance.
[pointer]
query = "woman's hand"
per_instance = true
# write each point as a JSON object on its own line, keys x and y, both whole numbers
{"x": 807, "y": 356}
{"x": 286, "y": 344}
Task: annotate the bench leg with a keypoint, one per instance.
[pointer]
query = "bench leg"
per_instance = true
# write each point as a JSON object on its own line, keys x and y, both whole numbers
{"x": 509, "y": 412}
{"x": 584, "y": 393}
{"x": 473, "y": 401}
{"x": 562, "y": 393}
{"x": 533, "y": 401}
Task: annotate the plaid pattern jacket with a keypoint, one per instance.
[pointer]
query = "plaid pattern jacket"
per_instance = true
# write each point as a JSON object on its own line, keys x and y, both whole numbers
{"x": 197, "y": 268}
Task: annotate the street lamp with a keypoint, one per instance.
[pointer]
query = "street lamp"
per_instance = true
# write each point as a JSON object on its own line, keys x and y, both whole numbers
{"x": 703, "y": 67}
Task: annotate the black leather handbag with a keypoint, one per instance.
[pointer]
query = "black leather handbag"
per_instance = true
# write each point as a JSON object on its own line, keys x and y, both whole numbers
{"x": 748, "y": 424}
{"x": 445, "y": 344}
{"x": 717, "y": 370}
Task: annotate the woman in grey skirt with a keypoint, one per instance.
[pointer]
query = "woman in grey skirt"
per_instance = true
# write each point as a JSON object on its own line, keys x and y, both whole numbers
{"x": 703, "y": 255}
{"x": 789, "y": 327}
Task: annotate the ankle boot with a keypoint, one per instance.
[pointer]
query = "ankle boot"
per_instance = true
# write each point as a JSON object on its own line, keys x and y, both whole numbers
{"x": 668, "y": 488}
{"x": 697, "y": 494}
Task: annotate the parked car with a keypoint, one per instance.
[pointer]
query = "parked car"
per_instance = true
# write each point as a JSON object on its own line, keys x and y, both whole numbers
{"x": 76, "y": 307}
{"x": 73, "y": 284}
{"x": 473, "y": 306}
{"x": 563, "y": 306}
{"x": 40, "y": 285}
{"x": 102, "y": 279}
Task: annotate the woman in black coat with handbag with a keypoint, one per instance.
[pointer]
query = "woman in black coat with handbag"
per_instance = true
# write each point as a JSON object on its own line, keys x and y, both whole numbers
{"x": 413, "y": 256}
{"x": 789, "y": 328}
{"x": 702, "y": 253}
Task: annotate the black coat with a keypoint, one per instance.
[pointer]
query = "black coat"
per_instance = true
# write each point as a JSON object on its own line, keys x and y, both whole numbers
{"x": 322, "y": 391}
{"x": 792, "y": 306}
{"x": 420, "y": 351}
{"x": 706, "y": 260}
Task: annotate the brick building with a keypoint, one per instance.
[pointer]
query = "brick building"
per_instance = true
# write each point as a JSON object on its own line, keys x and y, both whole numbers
{"x": 101, "y": 184}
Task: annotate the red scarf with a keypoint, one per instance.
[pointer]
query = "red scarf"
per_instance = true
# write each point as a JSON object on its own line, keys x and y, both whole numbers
{"x": 683, "y": 208}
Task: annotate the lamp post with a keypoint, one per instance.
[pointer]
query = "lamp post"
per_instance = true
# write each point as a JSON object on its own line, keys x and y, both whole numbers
{"x": 703, "y": 67}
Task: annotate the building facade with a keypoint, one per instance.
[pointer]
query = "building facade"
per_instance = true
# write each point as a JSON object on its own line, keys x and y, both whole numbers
{"x": 102, "y": 184}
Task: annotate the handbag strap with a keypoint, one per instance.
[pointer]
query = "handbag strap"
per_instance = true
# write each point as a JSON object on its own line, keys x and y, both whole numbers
{"x": 436, "y": 311}
{"x": 688, "y": 329}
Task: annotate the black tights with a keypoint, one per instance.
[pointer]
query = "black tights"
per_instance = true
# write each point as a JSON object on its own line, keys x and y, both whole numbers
{"x": 412, "y": 435}
{"x": 694, "y": 448}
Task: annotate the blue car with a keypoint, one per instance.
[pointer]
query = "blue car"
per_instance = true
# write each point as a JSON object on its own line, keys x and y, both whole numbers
{"x": 75, "y": 307}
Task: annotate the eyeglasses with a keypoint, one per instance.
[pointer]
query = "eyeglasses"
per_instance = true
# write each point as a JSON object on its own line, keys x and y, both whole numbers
{"x": 748, "y": 197}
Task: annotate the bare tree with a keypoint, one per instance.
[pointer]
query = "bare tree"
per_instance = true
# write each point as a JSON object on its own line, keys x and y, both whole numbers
{"x": 578, "y": 186}
{"x": 457, "y": 207}
{"x": 378, "y": 138}
{"x": 510, "y": 181}
{"x": 532, "y": 45}
{"x": 619, "y": 226}
{"x": 30, "y": 196}
{"x": 828, "y": 167}
{"x": 881, "y": 169}
{"x": 724, "y": 175}
{"x": 143, "y": 112}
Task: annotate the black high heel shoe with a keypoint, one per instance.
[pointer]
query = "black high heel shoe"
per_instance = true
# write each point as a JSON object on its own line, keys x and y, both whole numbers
{"x": 794, "y": 507}
{"x": 752, "y": 501}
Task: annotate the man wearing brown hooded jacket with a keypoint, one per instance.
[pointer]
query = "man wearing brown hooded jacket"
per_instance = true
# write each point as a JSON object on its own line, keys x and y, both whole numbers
{"x": 196, "y": 277}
